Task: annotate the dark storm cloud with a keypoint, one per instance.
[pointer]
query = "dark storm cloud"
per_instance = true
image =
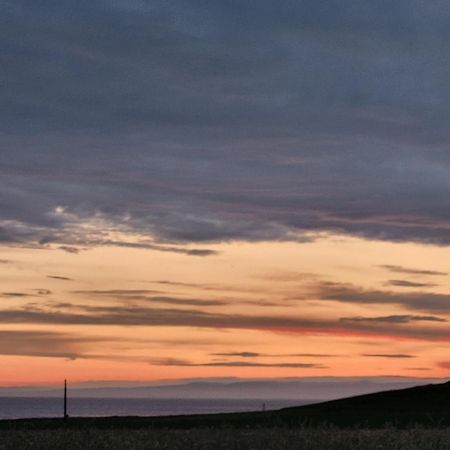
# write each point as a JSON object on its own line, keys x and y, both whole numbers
{"x": 410, "y": 271}
{"x": 134, "y": 315}
{"x": 214, "y": 121}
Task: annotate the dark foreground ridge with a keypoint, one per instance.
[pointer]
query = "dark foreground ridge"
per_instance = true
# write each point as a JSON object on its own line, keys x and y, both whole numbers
{"x": 423, "y": 405}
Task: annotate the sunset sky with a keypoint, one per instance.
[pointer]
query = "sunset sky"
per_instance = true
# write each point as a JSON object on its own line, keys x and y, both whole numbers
{"x": 224, "y": 188}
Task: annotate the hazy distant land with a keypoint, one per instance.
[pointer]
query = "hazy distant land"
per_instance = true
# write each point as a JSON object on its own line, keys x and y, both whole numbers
{"x": 305, "y": 388}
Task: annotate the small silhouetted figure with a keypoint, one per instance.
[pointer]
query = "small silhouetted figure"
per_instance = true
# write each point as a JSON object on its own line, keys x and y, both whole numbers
{"x": 65, "y": 401}
{"x": 264, "y": 407}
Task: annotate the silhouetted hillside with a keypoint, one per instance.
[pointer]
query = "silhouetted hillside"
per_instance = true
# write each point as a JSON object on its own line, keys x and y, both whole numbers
{"x": 428, "y": 405}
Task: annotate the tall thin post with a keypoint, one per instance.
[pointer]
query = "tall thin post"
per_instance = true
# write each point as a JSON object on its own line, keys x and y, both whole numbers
{"x": 65, "y": 400}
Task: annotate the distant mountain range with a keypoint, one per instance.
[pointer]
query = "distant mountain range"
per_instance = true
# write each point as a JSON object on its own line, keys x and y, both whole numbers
{"x": 310, "y": 388}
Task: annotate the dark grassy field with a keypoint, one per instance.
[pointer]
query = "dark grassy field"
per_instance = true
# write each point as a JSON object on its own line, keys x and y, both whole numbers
{"x": 322, "y": 438}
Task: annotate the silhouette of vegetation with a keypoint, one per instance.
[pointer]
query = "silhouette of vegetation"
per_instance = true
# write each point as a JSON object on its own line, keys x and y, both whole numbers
{"x": 322, "y": 438}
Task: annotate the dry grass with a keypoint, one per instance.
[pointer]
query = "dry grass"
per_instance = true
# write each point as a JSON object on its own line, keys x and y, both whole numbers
{"x": 229, "y": 439}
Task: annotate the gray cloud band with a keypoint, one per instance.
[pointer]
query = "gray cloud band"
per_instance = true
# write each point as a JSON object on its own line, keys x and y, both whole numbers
{"x": 211, "y": 121}
{"x": 154, "y": 317}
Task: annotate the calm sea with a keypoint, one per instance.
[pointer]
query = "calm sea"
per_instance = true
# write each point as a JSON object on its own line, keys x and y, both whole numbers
{"x": 18, "y": 407}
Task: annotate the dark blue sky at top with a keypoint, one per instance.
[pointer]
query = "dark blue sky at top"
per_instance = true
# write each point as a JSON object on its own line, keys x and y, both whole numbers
{"x": 208, "y": 121}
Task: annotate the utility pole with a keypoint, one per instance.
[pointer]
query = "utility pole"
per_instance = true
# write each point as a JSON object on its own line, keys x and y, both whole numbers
{"x": 65, "y": 401}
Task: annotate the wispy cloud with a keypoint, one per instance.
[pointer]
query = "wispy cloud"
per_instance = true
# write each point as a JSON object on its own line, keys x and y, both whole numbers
{"x": 348, "y": 293}
{"x": 69, "y": 249}
{"x": 116, "y": 292}
{"x": 272, "y": 355}
{"x": 411, "y": 271}
{"x": 58, "y": 277}
{"x": 160, "y": 248}
{"x": 186, "y": 363}
{"x": 14, "y": 294}
{"x": 43, "y": 344}
{"x": 409, "y": 284}
{"x": 444, "y": 364}
{"x": 134, "y": 315}
{"x": 143, "y": 295}
{"x": 389, "y": 355}
{"x": 394, "y": 319}
{"x": 210, "y": 286}
{"x": 43, "y": 291}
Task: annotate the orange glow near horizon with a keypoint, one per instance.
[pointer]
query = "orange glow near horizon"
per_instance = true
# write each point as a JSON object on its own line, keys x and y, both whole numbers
{"x": 331, "y": 307}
